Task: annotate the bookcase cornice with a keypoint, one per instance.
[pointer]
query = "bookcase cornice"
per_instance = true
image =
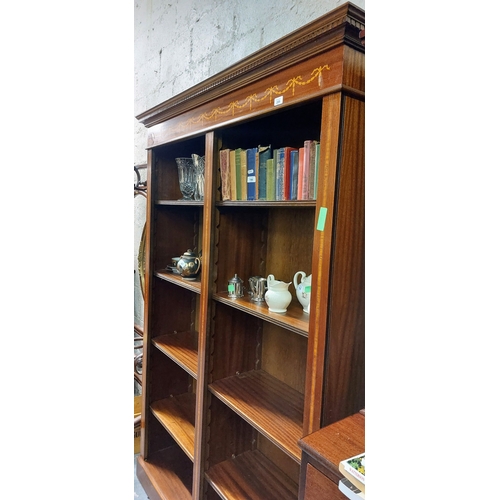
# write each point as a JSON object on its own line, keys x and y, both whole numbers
{"x": 341, "y": 26}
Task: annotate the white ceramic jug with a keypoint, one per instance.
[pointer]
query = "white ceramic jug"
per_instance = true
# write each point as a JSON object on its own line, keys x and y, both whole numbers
{"x": 277, "y": 297}
{"x": 303, "y": 290}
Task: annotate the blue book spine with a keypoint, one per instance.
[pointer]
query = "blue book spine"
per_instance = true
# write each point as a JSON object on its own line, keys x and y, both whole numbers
{"x": 280, "y": 175}
{"x": 251, "y": 174}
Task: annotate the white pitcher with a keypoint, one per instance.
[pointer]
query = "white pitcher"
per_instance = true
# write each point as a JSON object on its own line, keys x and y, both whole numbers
{"x": 277, "y": 297}
{"x": 303, "y": 290}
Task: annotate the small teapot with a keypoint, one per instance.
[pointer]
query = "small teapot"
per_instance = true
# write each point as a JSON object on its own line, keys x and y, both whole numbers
{"x": 303, "y": 290}
{"x": 188, "y": 265}
{"x": 277, "y": 297}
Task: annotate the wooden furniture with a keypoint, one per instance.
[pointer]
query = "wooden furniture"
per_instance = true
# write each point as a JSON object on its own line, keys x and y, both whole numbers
{"x": 229, "y": 387}
{"x": 323, "y": 450}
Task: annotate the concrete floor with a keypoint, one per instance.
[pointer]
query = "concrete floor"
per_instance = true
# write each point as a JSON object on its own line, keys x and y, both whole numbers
{"x": 139, "y": 493}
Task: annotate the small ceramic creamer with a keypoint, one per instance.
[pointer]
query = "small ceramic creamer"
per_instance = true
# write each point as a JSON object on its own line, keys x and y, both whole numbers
{"x": 303, "y": 289}
{"x": 277, "y": 297}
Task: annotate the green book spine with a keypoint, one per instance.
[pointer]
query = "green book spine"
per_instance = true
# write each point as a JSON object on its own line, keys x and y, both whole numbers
{"x": 270, "y": 180}
{"x": 264, "y": 155}
{"x": 243, "y": 170}
{"x": 238, "y": 173}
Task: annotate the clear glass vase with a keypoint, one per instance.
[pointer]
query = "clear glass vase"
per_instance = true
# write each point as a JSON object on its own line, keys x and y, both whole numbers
{"x": 187, "y": 178}
{"x": 199, "y": 173}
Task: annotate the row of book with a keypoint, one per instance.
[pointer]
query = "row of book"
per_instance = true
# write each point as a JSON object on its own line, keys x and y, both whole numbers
{"x": 263, "y": 173}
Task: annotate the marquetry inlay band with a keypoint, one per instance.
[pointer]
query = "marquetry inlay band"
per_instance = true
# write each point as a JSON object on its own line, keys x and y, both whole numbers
{"x": 269, "y": 94}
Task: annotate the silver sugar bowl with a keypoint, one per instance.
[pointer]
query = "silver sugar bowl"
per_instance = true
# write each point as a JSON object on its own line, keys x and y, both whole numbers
{"x": 235, "y": 287}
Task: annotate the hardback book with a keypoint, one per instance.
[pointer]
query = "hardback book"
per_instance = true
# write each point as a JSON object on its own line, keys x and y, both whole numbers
{"x": 270, "y": 179}
{"x": 237, "y": 154}
{"x": 307, "y": 170}
{"x": 287, "y": 172}
{"x": 251, "y": 174}
{"x": 312, "y": 169}
{"x": 232, "y": 174}
{"x": 316, "y": 169}
{"x": 350, "y": 491}
{"x": 294, "y": 173}
{"x": 353, "y": 469}
{"x": 264, "y": 155}
{"x": 280, "y": 174}
{"x": 225, "y": 174}
{"x": 243, "y": 172}
{"x": 300, "y": 176}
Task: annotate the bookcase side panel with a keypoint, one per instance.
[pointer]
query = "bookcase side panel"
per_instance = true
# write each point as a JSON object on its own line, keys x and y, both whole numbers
{"x": 322, "y": 253}
{"x": 345, "y": 362}
{"x": 205, "y": 314}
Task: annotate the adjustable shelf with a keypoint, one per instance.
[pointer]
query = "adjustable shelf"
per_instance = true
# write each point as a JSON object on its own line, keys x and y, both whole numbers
{"x": 193, "y": 285}
{"x": 182, "y": 348}
{"x": 177, "y": 415}
{"x": 267, "y": 203}
{"x": 168, "y": 471}
{"x": 295, "y": 319}
{"x": 270, "y": 406}
{"x": 251, "y": 476}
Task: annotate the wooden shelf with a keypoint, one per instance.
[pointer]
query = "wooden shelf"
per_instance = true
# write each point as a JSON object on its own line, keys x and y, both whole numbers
{"x": 177, "y": 415}
{"x": 265, "y": 203}
{"x": 295, "y": 319}
{"x": 191, "y": 203}
{"x": 168, "y": 472}
{"x": 251, "y": 476}
{"x": 194, "y": 286}
{"x": 267, "y": 404}
{"x": 182, "y": 348}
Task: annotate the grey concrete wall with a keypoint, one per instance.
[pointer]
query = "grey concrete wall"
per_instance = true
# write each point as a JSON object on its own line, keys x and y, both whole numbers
{"x": 181, "y": 43}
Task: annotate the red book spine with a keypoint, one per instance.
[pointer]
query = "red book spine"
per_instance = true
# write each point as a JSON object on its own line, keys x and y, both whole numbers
{"x": 300, "y": 179}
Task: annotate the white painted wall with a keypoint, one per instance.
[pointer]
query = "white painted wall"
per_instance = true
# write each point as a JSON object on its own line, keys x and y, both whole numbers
{"x": 181, "y": 43}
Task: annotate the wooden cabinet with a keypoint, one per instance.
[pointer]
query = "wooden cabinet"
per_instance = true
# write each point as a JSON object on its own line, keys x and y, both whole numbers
{"x": 322, "y": 452}
{"x": 229, "y": 388}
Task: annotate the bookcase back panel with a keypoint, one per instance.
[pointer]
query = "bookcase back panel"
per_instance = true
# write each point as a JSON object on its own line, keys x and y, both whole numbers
{"x": 290, "y": 237}
{"x": 170, "y": 379}
{"x": 166, "y": 177}
{"x": 290, "y": 467}
{"x": 173, "y": 309}
{"x": 236, "y": 342}
{"x": 284, "y": 127}
{"x": 241, "y": 244}
{"x": 229, "y": 434}
{"x": 159, "y": 438}
{"x": 284, "y": 355}
{"x": 176, "y": 230}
